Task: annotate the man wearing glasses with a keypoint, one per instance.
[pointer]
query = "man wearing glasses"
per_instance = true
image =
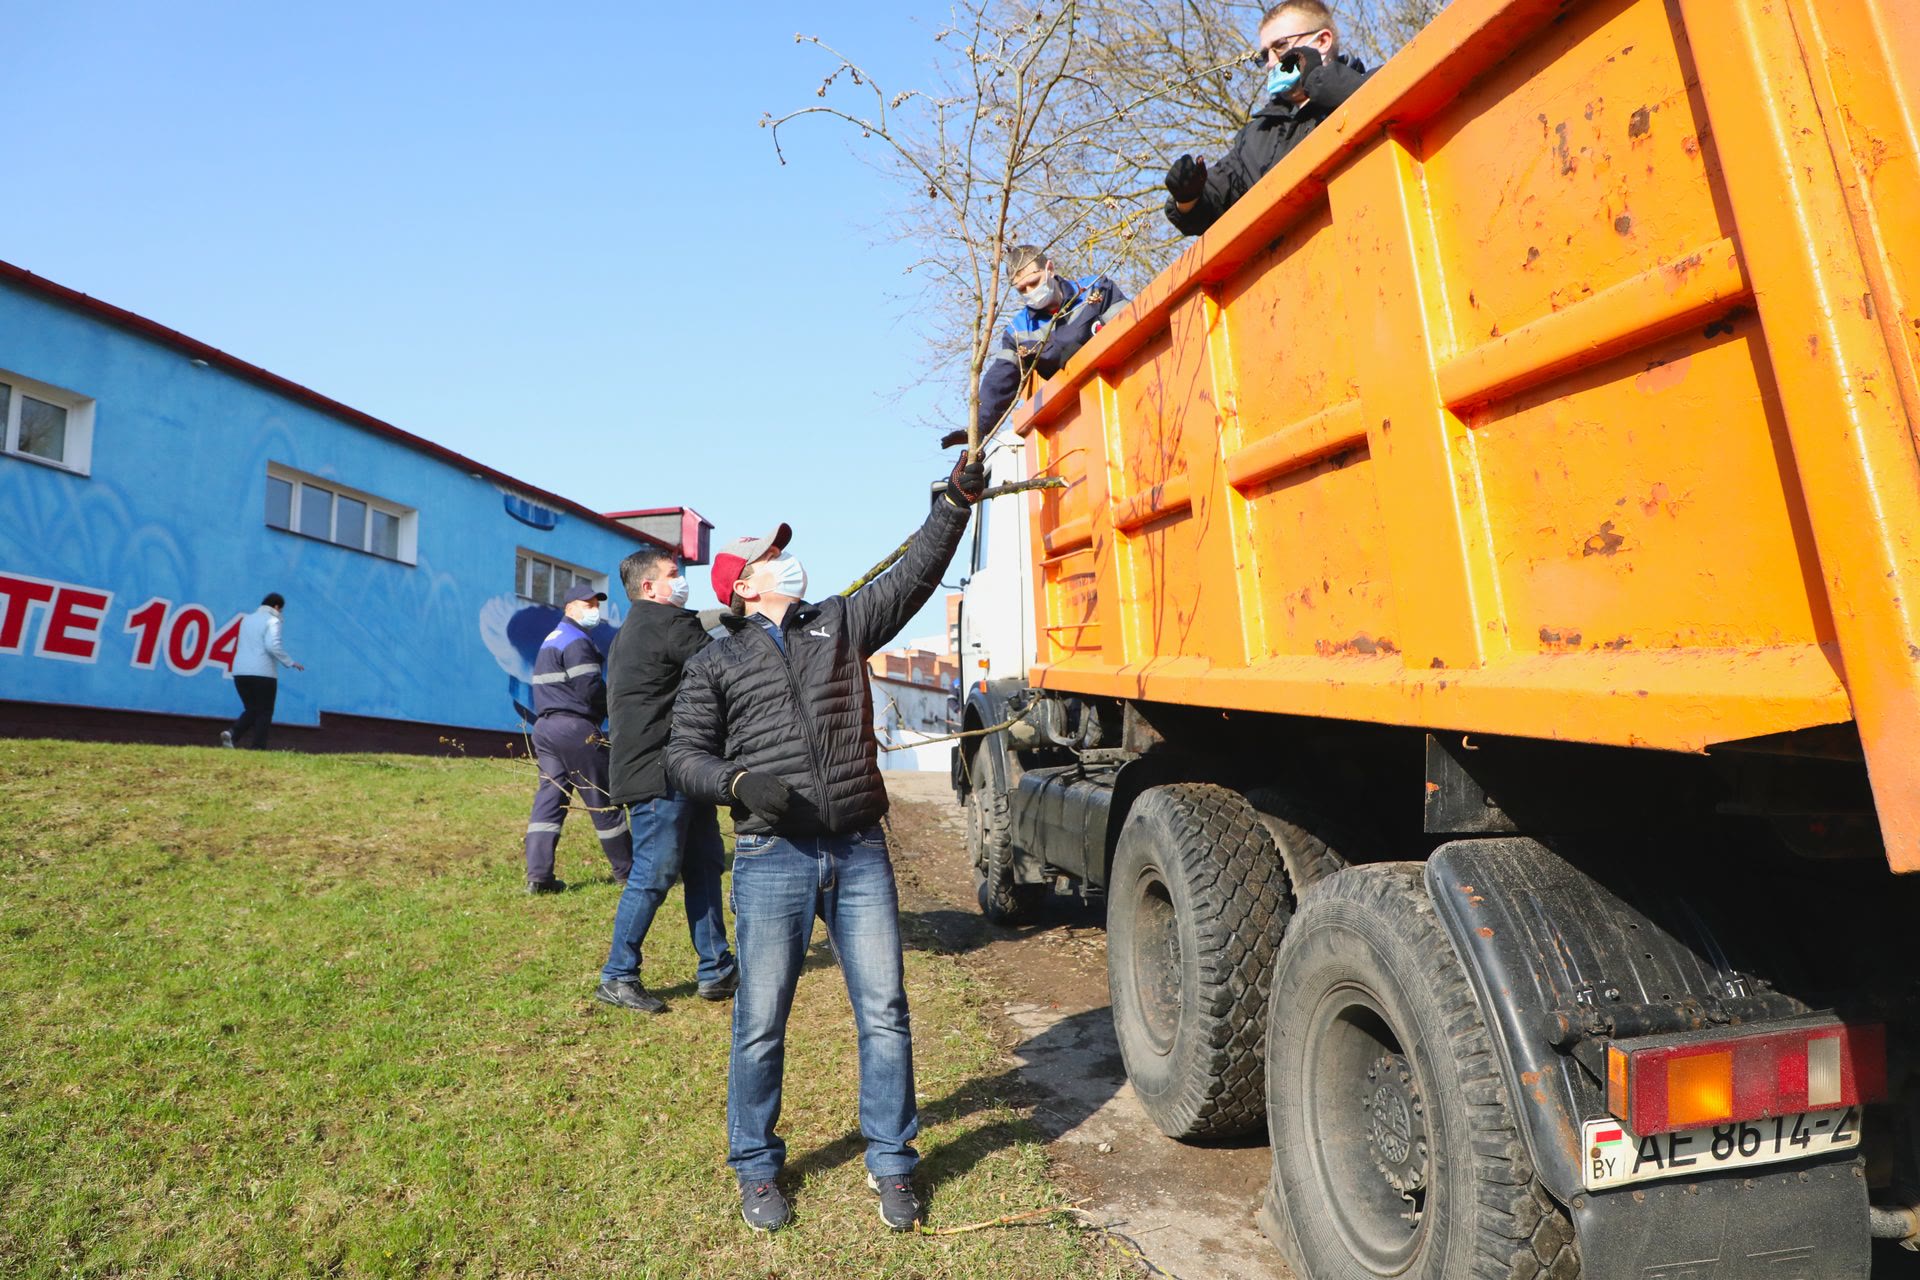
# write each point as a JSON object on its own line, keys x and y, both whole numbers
{"x": 1306, "y": 78}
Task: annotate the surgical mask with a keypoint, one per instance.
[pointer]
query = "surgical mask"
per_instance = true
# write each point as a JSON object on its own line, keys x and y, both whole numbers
{"x": 1040, "y": 296}
{"x": 789, "y": 577}
{"x": 1282, "y": 79}
{"x": 679, "y": 591}
{"x": 588, "y": 620}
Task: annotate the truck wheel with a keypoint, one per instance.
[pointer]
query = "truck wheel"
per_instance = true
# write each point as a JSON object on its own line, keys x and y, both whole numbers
{"x": 1311, "y": 847}
{"x": 1196, "y": 905}
{"x": 990, "y": 845}
{"x": 1396, "y": 1150}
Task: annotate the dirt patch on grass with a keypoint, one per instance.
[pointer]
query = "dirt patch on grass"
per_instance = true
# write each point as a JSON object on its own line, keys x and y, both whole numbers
{"x": 1189, "y": 1207}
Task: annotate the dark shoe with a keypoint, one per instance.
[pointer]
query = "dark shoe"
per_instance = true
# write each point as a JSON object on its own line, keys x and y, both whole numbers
{"x": 549, "y": 885}
{"x": 722, "y": 989}
{"x": 762, "y": 1206}
{"x": 627, "y": 993}
{"x": 899, "y": 1206}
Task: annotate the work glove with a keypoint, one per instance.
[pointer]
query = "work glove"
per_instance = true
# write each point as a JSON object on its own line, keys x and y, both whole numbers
{"x": 1187, "y": 179}
{"x": 968, "y": 481}
{"x": 763, "y": 793}
{"x": 1304, "y": 57}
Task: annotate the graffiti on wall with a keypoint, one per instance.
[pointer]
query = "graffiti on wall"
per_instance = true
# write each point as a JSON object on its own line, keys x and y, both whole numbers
{"x": 513, "y": 628}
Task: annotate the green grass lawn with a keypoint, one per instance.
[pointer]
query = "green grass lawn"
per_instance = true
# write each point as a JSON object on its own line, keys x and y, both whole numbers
{"x": 267, "y": 1014}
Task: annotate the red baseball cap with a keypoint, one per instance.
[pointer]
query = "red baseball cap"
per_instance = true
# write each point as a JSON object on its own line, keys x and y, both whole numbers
{"x": 730, "y": 564}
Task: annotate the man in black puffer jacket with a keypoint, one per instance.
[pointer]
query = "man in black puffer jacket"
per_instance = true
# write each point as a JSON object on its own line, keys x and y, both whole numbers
{"x": 777, "y": 721}
{"x": 1307, "y": 78}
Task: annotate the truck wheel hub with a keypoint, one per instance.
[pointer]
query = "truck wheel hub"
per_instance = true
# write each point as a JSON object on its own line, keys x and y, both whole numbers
{"x": 1396, "y": 1123}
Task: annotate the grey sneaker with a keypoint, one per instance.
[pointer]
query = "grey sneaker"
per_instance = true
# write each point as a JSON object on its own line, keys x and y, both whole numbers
{"x": 628, "y": 993}
{"x": 723, "y": 988}
{"x": 226, "y": 737}
{"x": 762, "y": 1207}
{"x": 550, "y": 885}
{"x": 899, "y": 1206}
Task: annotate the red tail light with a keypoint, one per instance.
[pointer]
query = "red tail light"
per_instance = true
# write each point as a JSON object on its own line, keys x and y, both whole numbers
{"x": 1661, "y": 1084}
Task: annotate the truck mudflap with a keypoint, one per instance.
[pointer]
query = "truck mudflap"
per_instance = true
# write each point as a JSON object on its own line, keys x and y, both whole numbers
{"x": 1806, "y": 1221}
{"x": 1562, "y": 966}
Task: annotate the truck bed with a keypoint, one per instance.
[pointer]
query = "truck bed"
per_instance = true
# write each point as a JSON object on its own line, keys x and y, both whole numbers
{"x": 1560, "y": 385}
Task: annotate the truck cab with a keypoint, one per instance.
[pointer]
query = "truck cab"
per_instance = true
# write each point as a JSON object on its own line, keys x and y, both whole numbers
{"x": 996, "y": 606}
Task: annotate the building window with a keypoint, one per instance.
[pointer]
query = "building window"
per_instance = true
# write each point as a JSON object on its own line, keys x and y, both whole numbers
{"x": 545, "y": 581}
{"x": 326, "y": 511}
{"x": 45, "y": 424}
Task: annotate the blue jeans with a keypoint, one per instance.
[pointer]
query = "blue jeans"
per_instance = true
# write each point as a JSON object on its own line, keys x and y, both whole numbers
{"x": 673, "y": 838}
{"x": 779, "y": 886}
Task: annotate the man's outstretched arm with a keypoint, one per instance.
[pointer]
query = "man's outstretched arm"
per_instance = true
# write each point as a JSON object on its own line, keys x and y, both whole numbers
{"x": 878, "y": 610}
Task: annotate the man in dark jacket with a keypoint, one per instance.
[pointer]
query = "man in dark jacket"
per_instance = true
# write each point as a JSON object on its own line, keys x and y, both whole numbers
{"x": 569, "y": 702}
{"x": 673, "y": 837}
{"x": 776, "y": 719}
{"x": 1307, "y": 77}
{"x": 1055, "y": 320}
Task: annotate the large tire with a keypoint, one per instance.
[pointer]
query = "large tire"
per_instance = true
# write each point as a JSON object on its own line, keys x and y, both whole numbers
{"x": 1396, "y": 1150}
{"x": 1311, "y": 846}
{"x": 1196, "y": 906}
{"x": 990, "y": 844}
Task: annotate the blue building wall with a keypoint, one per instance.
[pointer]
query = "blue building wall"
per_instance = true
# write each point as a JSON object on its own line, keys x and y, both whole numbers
{"x": 175, "y": 508}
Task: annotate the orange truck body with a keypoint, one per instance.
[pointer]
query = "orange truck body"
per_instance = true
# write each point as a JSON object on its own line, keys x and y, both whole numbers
{"x": 1563, "y": 384}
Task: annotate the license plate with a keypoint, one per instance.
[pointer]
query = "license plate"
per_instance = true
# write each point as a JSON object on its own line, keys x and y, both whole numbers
{"x": 1615, "y": 1157}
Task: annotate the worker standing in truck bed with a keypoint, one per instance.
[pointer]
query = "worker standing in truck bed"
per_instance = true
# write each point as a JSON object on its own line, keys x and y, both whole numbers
{"x": 1307, "y": 77}
{"x": 1057, "y": 316}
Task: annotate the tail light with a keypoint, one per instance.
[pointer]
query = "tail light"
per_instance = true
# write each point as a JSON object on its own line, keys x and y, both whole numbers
{"x": 1661, "y": 1084}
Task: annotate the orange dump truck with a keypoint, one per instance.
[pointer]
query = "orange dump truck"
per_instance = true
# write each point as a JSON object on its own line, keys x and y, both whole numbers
{"x": 1476, "y": 654}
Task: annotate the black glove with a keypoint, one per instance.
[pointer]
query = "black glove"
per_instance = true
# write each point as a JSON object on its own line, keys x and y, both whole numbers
{"x": 1305, "y": 57}
{"x": 953, "y": 438}
{"x": 968, "y": 481}
{"x": 763, "y": 793}
{"x": 1187, "y": 179}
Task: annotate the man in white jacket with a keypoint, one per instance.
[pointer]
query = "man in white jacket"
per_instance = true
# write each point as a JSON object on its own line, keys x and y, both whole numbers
{"x": 257, "y": 658}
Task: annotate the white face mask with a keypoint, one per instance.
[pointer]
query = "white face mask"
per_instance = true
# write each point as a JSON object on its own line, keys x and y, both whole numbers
{"x": 677, "y": 591}
{"x": 588, "y": 620}
{"x": 789, "y": 577}
{"x": 1040, "y": 296}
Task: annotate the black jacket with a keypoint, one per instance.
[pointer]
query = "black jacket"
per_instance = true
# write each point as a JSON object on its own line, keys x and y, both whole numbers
{"x": 804, "y": 715}
{"x": 643, "y": 675}
{"x": 1265, "y": 140}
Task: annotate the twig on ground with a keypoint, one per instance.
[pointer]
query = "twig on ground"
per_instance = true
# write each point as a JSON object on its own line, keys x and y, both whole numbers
{"x": 1126, "y": 1246}
{"x": 1004, "y": 1220}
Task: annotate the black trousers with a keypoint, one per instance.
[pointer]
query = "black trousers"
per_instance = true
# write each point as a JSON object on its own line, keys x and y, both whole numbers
{"x": 257, "y": 694}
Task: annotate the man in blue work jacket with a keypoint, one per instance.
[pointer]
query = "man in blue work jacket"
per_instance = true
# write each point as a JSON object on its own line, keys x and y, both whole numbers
{"x": 569, "y": 702}
{"x": 1056, "y": 317}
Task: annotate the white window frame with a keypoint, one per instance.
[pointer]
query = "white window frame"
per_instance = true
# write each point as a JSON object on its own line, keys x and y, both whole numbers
{"x": 407, "y": 550}
{"x": 79, "y": 444}
{"x": 523, "y": 559}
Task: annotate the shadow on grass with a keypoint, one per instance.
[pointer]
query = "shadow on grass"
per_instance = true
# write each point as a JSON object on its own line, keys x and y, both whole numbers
{"x": 1081, "y": 1043}
{"x": 950, "y": 931}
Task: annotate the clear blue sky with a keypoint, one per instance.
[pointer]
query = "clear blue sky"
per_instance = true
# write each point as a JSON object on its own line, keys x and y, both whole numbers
{"x": 555, "y": 239}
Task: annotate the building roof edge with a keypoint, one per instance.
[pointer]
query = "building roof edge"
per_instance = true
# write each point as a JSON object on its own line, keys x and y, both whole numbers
{"x": 120, "y": 316}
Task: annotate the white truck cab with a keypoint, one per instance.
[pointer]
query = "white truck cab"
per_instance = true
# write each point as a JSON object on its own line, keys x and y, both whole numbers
{"x": 996, "y": 608}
